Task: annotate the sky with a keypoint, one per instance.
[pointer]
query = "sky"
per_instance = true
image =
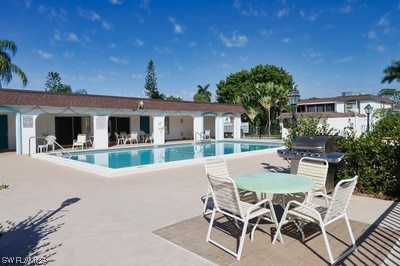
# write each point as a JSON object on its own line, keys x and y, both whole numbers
{"x": 104, "y": 46}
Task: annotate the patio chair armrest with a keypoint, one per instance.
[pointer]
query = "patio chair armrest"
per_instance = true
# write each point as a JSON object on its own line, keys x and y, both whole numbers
{"x": 305, "y": 206}
{"x": 258, "y": 204}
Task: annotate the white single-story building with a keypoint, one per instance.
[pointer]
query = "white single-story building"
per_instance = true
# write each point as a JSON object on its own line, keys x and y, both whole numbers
{"x": 27, "y": 117}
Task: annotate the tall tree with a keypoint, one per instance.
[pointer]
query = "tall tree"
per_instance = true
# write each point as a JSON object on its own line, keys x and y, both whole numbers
{"x": 391, "y": 94}
{"x": 7, "y": 50}
{"x": 202, "y": 95}
{"x": 151, "y": 83}
{"x": 392, "y": 72}
{"x": 53, "y": 83}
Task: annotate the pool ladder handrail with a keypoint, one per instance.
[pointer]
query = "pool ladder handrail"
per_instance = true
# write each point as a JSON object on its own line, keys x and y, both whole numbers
{"x": 202, "y": 137}
{"x": 64, "y": 151}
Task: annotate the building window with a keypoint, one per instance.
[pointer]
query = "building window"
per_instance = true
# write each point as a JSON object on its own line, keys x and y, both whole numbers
{"x": 350, "y": 106}
{"x": 330, "y": 107}
{"x": 166, "y": 125}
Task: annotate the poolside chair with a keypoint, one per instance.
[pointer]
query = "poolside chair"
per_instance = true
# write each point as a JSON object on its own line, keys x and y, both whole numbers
{"x": 322, "y": 216}
{"x": 80, "y": 141}
{"x": 118, "y": 138}
{"x": 149, "y": 138}
{"x": 50, "y": 141}
{"x": 131, "y": 138}
{"x": 207, "y": 134}
{"x": 317, "y": 170}
{"x": 218, "y": 166}
{"x": 227, "y": 201}
{"x": 215, "y": 166}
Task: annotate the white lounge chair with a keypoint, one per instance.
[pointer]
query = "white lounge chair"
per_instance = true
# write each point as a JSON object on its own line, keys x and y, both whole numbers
{"x": 80, "y": 141}
{"x": 227, "y": 201}
{"x": 323, "y": 216}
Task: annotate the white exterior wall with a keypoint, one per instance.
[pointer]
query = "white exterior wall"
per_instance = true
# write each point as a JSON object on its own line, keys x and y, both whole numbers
{"x": 197, "y": 126}
{"x": 181, "y": 127}
{"x": 219, "y": 128}
{"x": 158, "y": 130}
{"x": 28, "y": 131}
{"x": 236, "y": 127}
{"x": 100, "y": 131}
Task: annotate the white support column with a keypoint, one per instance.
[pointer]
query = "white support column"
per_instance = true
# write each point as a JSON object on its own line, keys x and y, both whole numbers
{"x": 100, "y": 131}
{"x": 158, "y": 130}
{"x": 219, "y": 128}
{"x": 198, "y": 122}
{"x": 28, "y": 132}
{"x": 236, "y": 128}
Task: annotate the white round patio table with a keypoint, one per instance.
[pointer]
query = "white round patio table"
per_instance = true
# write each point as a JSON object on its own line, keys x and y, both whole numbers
{"x": 275, "y": 183}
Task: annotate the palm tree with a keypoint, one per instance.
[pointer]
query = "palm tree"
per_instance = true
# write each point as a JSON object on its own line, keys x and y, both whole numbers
{"x": 7, "y": 50}
{"x": 202, "y": 95}
{"x": 264, "y": 92}
{"x": 392, "y": 72}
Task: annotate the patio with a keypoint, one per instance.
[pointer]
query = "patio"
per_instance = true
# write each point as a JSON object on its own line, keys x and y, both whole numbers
{"x": 69, "y": 217}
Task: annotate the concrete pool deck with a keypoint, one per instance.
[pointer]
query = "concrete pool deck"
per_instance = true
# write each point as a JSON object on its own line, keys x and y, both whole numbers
{"x": 71, "y": 217}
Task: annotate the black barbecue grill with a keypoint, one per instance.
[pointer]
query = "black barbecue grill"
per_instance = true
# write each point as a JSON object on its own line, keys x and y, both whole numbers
{"x": 323, "y": 147}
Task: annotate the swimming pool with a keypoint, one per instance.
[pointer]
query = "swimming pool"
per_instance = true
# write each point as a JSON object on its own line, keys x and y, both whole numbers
{"x": 119, "y": 161}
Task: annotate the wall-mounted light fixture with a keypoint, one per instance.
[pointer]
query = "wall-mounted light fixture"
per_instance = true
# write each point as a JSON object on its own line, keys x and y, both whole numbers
{"x": 139, "y": 105}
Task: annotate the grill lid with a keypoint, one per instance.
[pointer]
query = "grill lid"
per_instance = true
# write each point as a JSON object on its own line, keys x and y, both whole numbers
{"x": 323, "y": 144}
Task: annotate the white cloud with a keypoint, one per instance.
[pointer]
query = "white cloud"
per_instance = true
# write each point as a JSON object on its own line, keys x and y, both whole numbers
{"x": 116, "y": 2}
{"x": 44, "y": 55}
{"x": 311, "y": 15}
{"x": 372, "y": 34}
{"x": 282, "y": 12}
{"x": 72, "y": 37}
{"x": 163, "y": 50}
{"x": 144, "y": 4}
{"x": 384, "y": 21}
{"x": 138, "y": 42}
{"x": 137, "y": 76}
{"x": 57, "y": 35}
{"x": 68, "y": 54}
{"x": 346, "y": 9}
{"x": 266, "y": 32}
{"x": 287, "y": 40}
{"x": 106, "y": 25}
{"x": 118, "y": 60}
{"x": 345, "y": 59}
{"x": 90, "y": 15}
{"x": 113, "y": 45}
{"x": 177, "y": 27}
{"x": 235, "y": 41}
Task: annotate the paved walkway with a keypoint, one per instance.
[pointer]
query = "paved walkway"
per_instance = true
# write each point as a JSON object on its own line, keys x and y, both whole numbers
{"x": 70, "y": 217}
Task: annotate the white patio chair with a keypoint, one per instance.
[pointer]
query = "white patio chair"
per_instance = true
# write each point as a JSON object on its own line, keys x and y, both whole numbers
{"x": 118, "y": 138}
{"x": 80, "y": 141}
{"x": 214, "y": 166}
{"x": 227, "y": 201}
{"x": 207, "y": 134}
{"x": 131, "y": 138}
{"x": 323, "y": 216}
{"x": 50, "y": 141}
{"x": 317, "y": 170}
{"x": 149, "y": 138}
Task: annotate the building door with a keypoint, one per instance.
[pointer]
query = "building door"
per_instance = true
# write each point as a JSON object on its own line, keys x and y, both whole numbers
{"x": 3, "y": 132}
{"x": 67, "y": 129}
{"x": 145, "y": 124}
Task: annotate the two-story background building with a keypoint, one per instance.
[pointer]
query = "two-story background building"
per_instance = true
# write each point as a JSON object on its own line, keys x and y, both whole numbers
{"x": 340, "y": 111}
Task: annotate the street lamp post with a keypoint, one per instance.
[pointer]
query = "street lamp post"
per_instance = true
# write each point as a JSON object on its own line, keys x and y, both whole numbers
{"x": 368, "y": 110}
{"x": 294, "y": 97}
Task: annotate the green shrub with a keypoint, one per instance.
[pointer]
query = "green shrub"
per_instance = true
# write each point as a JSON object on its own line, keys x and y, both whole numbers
{"x": 374, "y": 156}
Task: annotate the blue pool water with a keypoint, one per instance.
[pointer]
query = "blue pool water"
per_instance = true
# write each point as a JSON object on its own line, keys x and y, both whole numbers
{"x": 140, "y": 156}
